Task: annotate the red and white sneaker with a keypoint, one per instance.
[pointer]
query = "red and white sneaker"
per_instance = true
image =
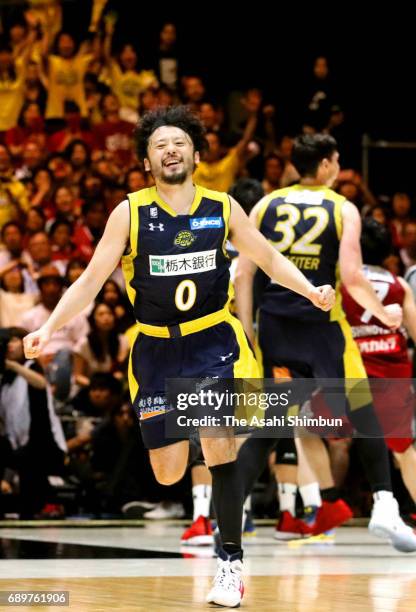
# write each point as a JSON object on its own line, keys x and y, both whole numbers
{"x": 330, "y": 515}
{"x": 291, "y": 528}
{"x": 199, "y": 533}
{"x": 227, "y": 588}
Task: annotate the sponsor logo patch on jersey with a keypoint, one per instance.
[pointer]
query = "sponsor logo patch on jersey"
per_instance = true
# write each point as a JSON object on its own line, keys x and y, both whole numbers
{"x": 177, "y": 265}
{"x": 184, "y": 239}
{"x": 206, "y": 223}
{"x": 153, "y": 227}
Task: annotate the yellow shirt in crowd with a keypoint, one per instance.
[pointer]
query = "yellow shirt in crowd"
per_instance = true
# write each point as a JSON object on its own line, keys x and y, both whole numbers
{"x": 66, "y": 82}
{"x": 12, "y": 98}
{"x": 13, "y": 197}
{"x": 218, "y": 175}
{"x": 128, "y": 85}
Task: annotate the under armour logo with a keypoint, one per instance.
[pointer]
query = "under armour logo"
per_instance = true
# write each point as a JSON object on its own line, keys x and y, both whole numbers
{"x": 225, "y": 357}
{"x": 160, "y": 227}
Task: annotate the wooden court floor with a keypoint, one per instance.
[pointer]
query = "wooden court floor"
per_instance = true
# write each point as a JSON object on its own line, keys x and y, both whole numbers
{"x": 330, "y": 593}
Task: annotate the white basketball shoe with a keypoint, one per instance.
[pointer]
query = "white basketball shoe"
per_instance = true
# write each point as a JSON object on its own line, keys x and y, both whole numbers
{"x": 386, "y": 523}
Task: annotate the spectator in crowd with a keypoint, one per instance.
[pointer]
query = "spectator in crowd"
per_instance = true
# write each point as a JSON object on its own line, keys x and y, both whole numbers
{"x": 379, "y": 214}
{"x": 74, "y": 270}
{"x": 116, "y": 451}
{"x": 167, "y": 56}
{"x": 320, "y": 96}
{"x": 12, "y": 83}
{"x": 89, "y": 230}
{"x": 148, "y": 100}
{"x": 166, "y": 96}
{"x": 112, "y": 295}
{"x": 211, "y": 117}
{"x": 30, "y": 127}
{"x": 61, "y": 244}
{"x": 56, "y": 357}
{"x": 126, "y": 82}
{"x": 11, "y": 248}
{"x": 32, "y": 158}
{"x": 273, "y": 172}
{"x": 14, "y": 203}
{"x": 40, "y": 251}
{"x": 79, "y": 154}
{"x": 61, "y": 169}
{"x": 193, "y": 91}
{"x": 401, "y": 208}
{"x": 408, "y": 250}
{"x": 36, "y": 86}
{"x": 35, "y": 222}
{"x": 65, "y": 206}
{"x": 32, "y": 427}
{"x": 65, "y": 70}
{"x": 42, "y": 195}
{"x": 351, "y": 185}
{"x": 218, "y": 171}
{"x": 113, "y": 134}
{"x": 14, "y": 301}
{"x": 135, "y": 179}
{"x": 103, "y": 349}
{"x": 102, "y": 395}
{"x": 76, "y": 128}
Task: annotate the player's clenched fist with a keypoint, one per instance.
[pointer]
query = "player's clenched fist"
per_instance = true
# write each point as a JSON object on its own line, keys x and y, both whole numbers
{"x": 323, "y": 297}
{"x": 34, "y": 343}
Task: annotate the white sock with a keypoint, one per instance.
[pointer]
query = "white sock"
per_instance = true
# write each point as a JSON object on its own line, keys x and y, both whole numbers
{"x": 201, "y": 494}
{"x": 287, "y": 497}
{"x": 246, "y": 508}
{"x": 311, "y": 496}
{"x": 382, "y": 496}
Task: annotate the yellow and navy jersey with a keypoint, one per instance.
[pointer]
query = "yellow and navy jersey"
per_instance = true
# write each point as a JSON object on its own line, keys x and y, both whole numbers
{"x": 305, "y": 224}
{"x": 177, "y": 268}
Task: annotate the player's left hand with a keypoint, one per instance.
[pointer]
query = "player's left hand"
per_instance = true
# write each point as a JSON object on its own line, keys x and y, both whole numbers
{"x": 323, "y": 297}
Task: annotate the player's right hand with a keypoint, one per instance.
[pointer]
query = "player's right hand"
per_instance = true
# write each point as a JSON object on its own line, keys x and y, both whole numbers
{"x": 393, "y": 315}
{"x": 34, "y": 343}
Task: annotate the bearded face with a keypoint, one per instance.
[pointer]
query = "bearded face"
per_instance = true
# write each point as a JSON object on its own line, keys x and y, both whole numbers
{"x": 171, "y": 156}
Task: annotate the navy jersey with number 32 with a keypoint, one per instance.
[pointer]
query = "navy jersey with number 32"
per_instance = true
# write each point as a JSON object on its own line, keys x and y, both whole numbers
{"x": 305, "y": 224}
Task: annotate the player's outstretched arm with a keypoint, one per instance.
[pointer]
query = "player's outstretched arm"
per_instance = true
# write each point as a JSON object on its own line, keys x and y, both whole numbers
{"x": 253, "y": 245}
{"x": 351, "y": 269}
{"x": 84, "y": 290}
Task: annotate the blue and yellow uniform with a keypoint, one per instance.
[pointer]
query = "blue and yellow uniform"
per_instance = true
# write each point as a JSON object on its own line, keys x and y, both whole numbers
{"x": 177, "y": 279}
{"x": 305, "y": 224}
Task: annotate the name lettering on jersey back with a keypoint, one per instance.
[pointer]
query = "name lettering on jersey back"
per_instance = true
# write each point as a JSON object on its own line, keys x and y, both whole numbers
{"x": 305, "y": 197}
{"x": 305, "y": 263}
{"x": 384, "y": 345}
{"x": 177, "y": 265}
{"x": 206, "y": 223}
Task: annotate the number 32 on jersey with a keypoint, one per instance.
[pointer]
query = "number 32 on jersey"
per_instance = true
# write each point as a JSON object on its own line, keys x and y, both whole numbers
{"x": 306, "y": 244}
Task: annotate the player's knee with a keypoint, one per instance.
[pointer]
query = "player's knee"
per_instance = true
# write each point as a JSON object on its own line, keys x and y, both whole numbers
{"x": 169, "y": 476}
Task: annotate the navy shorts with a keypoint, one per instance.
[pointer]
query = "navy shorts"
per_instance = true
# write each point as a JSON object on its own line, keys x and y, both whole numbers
{"x": 219, "y": 351}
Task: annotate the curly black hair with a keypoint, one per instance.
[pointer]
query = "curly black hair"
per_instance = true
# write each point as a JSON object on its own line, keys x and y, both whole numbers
{"x": 178, "y": 116}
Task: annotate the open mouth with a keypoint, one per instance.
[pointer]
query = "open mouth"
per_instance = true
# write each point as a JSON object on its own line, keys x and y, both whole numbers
{"x": 173, "y": 163}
